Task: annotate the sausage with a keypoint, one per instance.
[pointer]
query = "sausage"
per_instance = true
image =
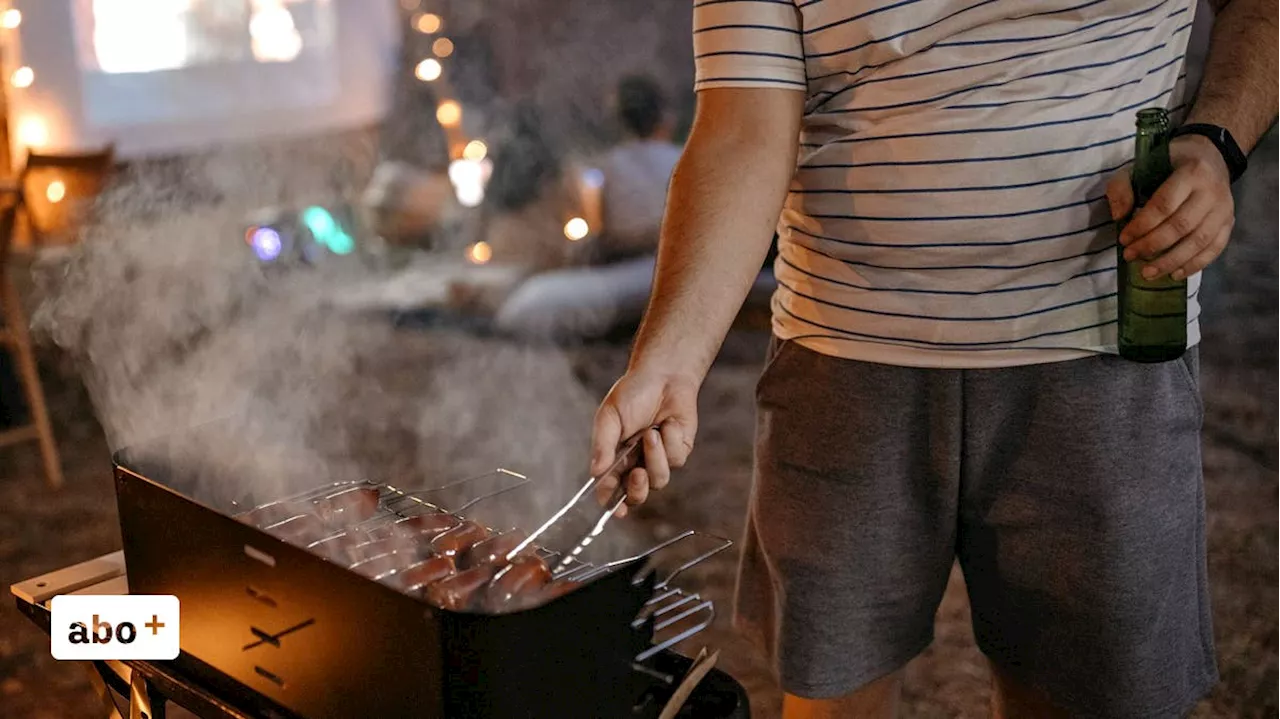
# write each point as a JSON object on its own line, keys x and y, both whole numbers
{"x": 428, "y": 525}
{"x": 456, "y": 592}
{"x": 423, "y": 573}
{"x": 273, "y": 513}
{"x": 348, "y": 507}
{"x": 302, "y": 529}
{"x": 516, "y": 584}
{"x": 494, "y": 550}
{"x": 458, "y": 539}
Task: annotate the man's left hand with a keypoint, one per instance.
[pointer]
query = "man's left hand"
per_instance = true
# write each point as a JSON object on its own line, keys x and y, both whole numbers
{"x": 1188, "y": 221}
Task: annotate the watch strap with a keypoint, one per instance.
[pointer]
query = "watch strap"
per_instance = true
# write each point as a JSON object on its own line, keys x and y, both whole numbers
{"x": 1236, "y": 160}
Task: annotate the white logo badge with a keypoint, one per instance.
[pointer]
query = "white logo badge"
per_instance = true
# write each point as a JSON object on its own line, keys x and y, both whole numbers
{"x": 90, "y": 627}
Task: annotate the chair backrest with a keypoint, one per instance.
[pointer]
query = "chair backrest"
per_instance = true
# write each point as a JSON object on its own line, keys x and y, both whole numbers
{"x": 10, "y": 200}
{"x": 57, "y": 190}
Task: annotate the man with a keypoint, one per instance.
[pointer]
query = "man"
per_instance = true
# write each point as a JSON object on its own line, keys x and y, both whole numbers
{"x": 943, "y": 382}
{"x": 588, "y": 301}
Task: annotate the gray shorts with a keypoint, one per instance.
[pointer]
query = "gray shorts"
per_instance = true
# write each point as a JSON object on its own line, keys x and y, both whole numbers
{"x": 1071, "y": 492}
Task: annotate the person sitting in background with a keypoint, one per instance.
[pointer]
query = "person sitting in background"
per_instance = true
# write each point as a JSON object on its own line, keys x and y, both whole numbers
{"x": 624, "y": 209}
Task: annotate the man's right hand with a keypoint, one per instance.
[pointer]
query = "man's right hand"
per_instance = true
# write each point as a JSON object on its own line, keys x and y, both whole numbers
{"x": 645, "y": 398}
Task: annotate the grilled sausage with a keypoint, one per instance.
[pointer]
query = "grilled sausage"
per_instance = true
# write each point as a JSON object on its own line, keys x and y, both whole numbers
{"x": 517, "y": 584}
{"x": 302, "y": 529}
{"x": 423, "y": 573}
{"x": 349, "y": 506}
{"x": 457, "y": 592}
{"x": 425, "y": 525}
{"x": 494, "y": 550}
{"x": 459, "y": 539}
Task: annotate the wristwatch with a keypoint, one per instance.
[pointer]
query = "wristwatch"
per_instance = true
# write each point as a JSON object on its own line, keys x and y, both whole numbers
{"x": 1221, "y": 139}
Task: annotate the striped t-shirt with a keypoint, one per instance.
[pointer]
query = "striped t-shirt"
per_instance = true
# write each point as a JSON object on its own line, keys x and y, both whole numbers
{"x": 949, "y": 206}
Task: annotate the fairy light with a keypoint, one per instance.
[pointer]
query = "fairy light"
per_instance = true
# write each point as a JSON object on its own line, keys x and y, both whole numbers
{"x": 11, "y": 18}
{"x": 33, "y": 132}
{"x": 56, "y": 191}
{"x": 576, "y": 229}
{"x": 442, "y": 47}
{"x": 449, "y": 113}
{"x": 480, "y": 253}
{"x": 475, "y": 151}
{"x": 22, "y": 77}
{"x": 428, "y": 70}
{"x": 427, "y": 23}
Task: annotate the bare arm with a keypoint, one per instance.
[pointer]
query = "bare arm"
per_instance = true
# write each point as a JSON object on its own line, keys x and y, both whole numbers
{"x": 1239, "y": 90}
{"x": 722, "y": 208}
{"x": 1188, "y": 222}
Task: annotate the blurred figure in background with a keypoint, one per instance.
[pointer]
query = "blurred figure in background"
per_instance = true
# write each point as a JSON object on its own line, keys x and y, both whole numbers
{"x": 623, "y": 204}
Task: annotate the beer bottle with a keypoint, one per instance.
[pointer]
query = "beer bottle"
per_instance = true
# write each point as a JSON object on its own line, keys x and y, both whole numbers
{"x": 1152, "y": 313}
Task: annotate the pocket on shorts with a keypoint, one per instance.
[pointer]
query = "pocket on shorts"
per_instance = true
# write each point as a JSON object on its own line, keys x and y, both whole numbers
{"x": 777, "y": 348}
{"x": 1189, "y": 369}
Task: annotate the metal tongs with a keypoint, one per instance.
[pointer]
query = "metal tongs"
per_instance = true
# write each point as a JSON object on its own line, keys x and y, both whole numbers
{"x": 628, "y": 458}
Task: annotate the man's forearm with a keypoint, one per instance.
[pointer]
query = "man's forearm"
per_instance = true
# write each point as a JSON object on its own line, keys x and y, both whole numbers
{"x": 1238, "y": 90}
{"x": 722, "y": 210}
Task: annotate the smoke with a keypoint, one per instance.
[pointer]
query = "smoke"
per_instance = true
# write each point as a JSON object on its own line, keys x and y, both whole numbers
{"x": 249, "y": 385}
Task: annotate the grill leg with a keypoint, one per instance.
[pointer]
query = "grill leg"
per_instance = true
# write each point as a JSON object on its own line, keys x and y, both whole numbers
{"x": 144, "y": 701}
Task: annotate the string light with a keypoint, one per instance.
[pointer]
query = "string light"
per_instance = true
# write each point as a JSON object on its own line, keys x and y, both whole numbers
{"x": 55, "y": 191}
{"x": 427, "y": 23}
{"x": 22, "y": 77}
{"x": 11, "y": 18}
{"x": 576, "y": 229}
{"x": 33, "y": 132}
{"x": 442, "y": 47}
{"x": 475, "y": 151}
{"x": 449, "y": 113}
{"x": 428, "y": 70}
{"x": 480, "y": 253}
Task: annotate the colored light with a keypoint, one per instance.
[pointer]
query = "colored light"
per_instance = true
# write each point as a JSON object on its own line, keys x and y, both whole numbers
{"x": 56, "y": 191}
{"x": 427, "y": 23}
{"x": 475, "y": 151}
{"x": 449, "y": 113}
{"x": 593, "y": 178}
{"x": 33, "y": 132}
{"x": 576, "y": 229}
{"x": 11, "y": 18}
{"x": 428, "y": 70}
{"x": 23, "y": 77}
{"x": 442, "y": 47}
{"x": 266, "y": 243}
{"x": 327, "y": 231}
{"x": 480, "y": 253}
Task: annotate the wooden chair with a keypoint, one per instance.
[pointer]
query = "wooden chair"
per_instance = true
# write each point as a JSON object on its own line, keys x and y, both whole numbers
{"x": 15, "y": 338}
{"x": 56, "y": 191}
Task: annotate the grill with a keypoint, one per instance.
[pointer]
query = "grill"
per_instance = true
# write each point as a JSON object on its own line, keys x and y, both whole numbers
{"x": 326, "y": 612}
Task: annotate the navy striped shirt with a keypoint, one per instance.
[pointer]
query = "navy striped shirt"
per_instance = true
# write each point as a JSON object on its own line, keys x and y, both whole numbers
{"x": 949, "y": 204}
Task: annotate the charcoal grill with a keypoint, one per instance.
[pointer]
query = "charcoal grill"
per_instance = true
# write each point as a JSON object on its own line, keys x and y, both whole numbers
{"x": 300, "y": 635}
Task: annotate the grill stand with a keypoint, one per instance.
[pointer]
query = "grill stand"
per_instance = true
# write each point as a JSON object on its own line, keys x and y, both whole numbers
{"x": 151, "y": 686}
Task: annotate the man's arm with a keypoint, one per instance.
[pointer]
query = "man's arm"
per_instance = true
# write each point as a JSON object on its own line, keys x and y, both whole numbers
{"x": 1190, "y": 217}
{"x": 722, "y": 208}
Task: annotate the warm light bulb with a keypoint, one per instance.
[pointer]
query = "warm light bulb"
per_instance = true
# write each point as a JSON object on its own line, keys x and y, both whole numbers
{"x": 576, "y": 229}
{"x": 475, "y": 151}
{"x": 56, "y": 191}
{"x": 480, "y": 253}
{"x": 442, "y": 47}
{"x": 11, "y": 18}
{"x": 23, "y": 77}
{"x": 449, "y": 113}
{"x": 428, "y": 70}
{"x": 33, "y": 132}
{"x": 427, "y": 24}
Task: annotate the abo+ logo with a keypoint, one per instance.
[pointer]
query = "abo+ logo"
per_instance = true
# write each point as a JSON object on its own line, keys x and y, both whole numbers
{"x": 114, "y": 627}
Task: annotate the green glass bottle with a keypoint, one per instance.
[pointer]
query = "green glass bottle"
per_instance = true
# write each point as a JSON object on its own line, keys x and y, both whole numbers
{"x": 1152, "y": 313}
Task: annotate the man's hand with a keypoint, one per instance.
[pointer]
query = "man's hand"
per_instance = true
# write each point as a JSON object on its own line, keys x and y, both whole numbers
{"x": 1188, "y": 221}
{"x": 645, "y": 399}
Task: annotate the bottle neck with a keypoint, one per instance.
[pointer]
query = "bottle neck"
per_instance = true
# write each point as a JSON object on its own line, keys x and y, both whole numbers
{"x": 1151, "y": 163}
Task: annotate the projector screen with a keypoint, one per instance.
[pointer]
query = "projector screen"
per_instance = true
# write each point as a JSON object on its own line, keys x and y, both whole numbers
{"x": 164, "y": 75}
